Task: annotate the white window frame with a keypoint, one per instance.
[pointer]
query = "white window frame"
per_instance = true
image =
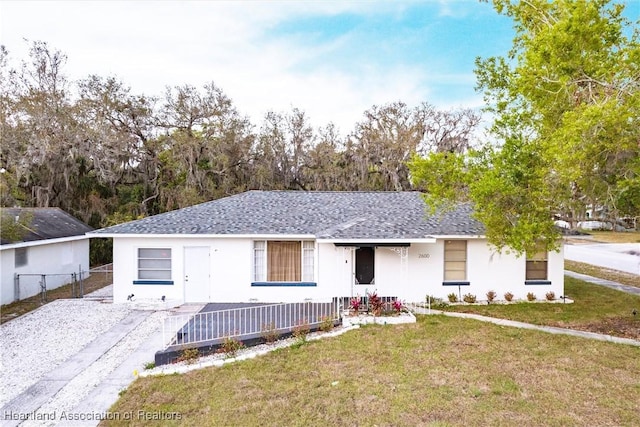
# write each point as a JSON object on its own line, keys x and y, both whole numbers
{"x": 164, "y": 271}
{"x": 307, "y": 260}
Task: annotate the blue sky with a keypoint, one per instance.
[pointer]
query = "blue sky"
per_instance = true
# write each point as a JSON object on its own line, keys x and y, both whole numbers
{"x": 332, "y": 59}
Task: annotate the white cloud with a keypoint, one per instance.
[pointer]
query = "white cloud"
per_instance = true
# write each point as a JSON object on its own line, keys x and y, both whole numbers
{"x": 153, "y": 44}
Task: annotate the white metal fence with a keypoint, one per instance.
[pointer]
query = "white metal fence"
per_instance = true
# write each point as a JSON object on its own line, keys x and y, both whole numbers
{"x": 252, "y": 321}
{"x": 364, "y": 303}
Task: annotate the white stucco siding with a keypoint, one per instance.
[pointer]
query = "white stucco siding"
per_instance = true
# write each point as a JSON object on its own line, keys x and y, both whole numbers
{"x": 500, "y": 272}
{"x": 231, "y": 272}
{"x": 333, "y": 269}
{"x": 231, "y": 267}
{"x": 7, "y": 262}
{"x": 489, "y": 270}
{"x": 56, "y": 260}
{"x": 125, "y": 270}
{"x": 503, "y": 272}
{"x": 390, "y": 277}
{"x": 425, "y": 267}
{"x": 556, "y": 273}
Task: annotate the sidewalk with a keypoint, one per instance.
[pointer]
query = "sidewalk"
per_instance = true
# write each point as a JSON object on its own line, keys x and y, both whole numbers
{"x": 604, "y": 282}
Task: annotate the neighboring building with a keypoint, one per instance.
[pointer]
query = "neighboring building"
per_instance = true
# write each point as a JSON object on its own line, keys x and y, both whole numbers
{"x": 287, "y": 246}
{"x": 54, "y": 245}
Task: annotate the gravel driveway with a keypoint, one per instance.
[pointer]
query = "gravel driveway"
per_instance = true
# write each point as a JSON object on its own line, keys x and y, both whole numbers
{"x": 38, "y": 344}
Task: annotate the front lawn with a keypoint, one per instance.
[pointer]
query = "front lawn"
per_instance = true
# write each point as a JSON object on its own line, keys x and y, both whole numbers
{"x": 440, "y": 371}
{"x": 596, "y": 308}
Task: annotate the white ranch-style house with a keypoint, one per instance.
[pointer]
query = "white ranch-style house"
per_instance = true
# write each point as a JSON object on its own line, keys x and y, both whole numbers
{"x": 295, "y": 246}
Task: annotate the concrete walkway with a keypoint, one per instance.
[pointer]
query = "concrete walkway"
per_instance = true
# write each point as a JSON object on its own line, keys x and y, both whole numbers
{"x": 604, "y": 282}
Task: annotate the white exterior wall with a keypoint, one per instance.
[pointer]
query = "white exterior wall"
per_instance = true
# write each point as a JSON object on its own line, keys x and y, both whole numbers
{"x": 64, "y": 257}
{"x": 231, "y": 272}
{"x": 488, "y": 270}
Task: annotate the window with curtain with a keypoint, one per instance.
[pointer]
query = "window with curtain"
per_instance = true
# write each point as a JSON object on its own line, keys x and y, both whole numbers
{"x": 537, "y": 265}
{"x": 154, "y": 264}
{"x": 455, "y": 260}
{"x": 283, "y": 261}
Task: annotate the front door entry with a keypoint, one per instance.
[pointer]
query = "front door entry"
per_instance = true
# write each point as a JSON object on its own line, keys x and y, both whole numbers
{"x": 365, "y": 265}
{"x": 197, "y": 284}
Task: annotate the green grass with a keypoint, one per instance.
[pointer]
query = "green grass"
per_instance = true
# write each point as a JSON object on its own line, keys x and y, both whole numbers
{"x": 603, "y": 273}
{"x": 615, "y": 237}
{"x": 594, "y": 305}
{"x": 440, "y": 371}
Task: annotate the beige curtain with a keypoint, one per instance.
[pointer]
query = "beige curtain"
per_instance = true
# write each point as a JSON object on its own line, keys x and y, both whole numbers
{"x": 284, "y": 261}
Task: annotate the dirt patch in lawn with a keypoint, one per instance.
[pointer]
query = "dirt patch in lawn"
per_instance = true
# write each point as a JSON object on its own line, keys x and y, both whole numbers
{"x": 625, "y": 327}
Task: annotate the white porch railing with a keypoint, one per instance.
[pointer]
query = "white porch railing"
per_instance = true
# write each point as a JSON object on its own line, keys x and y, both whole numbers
{"x": 246, "y": 321}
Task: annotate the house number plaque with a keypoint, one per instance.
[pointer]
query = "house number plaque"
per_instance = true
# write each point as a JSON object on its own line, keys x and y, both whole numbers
{"x": 423, "y": 255}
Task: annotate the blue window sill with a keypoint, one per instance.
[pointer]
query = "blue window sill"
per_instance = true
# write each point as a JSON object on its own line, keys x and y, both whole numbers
{"x": 290, "y": 284}
{"x": 537, "y": 282}
{"x": 153, "y": 282}
{"x": 454, "y": 283}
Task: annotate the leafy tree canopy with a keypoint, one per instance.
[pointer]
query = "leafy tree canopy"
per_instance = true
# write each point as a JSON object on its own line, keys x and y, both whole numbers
{"x": 14, "y": 229}
{"x": 566, "y": 106}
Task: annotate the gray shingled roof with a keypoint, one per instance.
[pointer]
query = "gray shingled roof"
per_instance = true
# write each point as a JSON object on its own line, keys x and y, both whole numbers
{"x": 48, "y": 223}
{"x": 323, "y": 214}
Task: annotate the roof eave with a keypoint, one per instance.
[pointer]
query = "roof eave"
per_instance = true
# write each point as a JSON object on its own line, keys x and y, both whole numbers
{"x": 43, "y": 242}
{"x": 379, "y": 240}
{"x": 201, "y": 236}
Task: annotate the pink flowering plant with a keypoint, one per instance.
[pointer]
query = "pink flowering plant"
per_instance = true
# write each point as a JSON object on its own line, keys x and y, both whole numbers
{"x": 355, "y": 304}
{"x": 397, "y": 306}
{"x": 376, "y": 303}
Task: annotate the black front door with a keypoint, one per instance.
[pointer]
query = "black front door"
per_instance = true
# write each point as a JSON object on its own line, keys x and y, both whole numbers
{"x": 365, "y": 263}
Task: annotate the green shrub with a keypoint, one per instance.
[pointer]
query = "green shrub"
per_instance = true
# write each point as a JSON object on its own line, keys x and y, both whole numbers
{"x": 469, "y": 298}
{"x": 436, "y": 302}
{"x": 326, "y": 323}
{"x": 301, "y": 330}
{"x": 230, "y": 346}
{"x": 531, "y": 296}
{"x": 189, "y": 355}
{"x": 149, "y": 365}
{"x": 452, "y": 297}
{"x": 491, "y": 295}
{"x": 508, "y": 296}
